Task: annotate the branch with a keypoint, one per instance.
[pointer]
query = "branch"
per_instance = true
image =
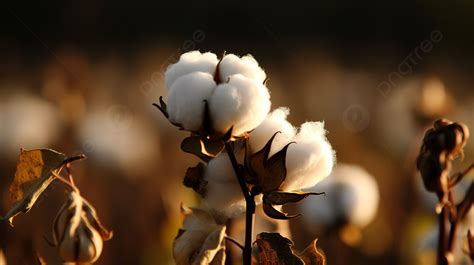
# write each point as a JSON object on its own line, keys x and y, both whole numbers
{"x": 249, "y": 205}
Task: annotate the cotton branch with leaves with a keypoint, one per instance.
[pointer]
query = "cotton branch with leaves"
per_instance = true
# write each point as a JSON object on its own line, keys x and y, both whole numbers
{"x": 249, "y": 157}
{"x": 77, "y": 231}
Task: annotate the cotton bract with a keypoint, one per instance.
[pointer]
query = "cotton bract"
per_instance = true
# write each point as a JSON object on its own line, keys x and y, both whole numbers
{"x": 238, "y": 100}
{"x": 309, "y": 157}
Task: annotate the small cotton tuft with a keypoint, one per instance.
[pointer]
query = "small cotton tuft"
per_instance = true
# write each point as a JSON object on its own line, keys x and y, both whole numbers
{"x": 241, "y": 103}
{"x": 310, "y": 159}
{"x": 186, "y": 99}
{"x": 190, "y": 62}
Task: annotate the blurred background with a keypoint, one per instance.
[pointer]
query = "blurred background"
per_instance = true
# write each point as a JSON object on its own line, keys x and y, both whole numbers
{"x": 80, "y": 77}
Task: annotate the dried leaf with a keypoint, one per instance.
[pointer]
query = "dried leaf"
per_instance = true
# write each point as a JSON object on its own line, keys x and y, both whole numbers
{"x": 280, "y": 197}
{"x": 200, "y": 240}
{"x": 32, "y": 177}
{"x": 213, "y": 248}
{"x": 271, "y": 212}
{"x": 313, "y": 255}
{"x": 205, "y": 149}
{"x": 274, "y": 249}
{"x": 194, "y": 179}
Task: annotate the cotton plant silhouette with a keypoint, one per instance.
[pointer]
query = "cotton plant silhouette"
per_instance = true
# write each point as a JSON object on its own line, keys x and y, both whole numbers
{"x": 441, "y": 145}
{"x": 250, "y": 156}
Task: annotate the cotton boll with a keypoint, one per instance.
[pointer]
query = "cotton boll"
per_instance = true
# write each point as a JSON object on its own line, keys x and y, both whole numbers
{"x": 352, "y": 196}
{"x": 220, "y": 169}
{"x": 225, "y": 198}
{"x": 186, "y": 99}
{"x": 275, "y": 122}
{"x": 223, "y": 192}
{"x": 28, "y": 122}
{"x": 241, "y": 103}
{"x": 190, "y": 62}
{"x": 310, "y": 159}
{"x": 132, "y": 148}
{"x": 246, "y": 66}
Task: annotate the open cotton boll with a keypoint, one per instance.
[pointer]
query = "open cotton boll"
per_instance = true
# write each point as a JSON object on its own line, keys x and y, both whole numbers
{"x": 223, "y": 192}
{"x": 190, "y": 62}
{"x": 241, "y": 103}
{"x": 220, "y": 169}
{"x": 275, "y": 122}
{"x": 310, "y": 159}
{"x": 186, "y": 99}
{"x": 224, "y": 198}
{"x": 246, "y": 66}
{"x": 28, "y": 122}
{"x": 352, "y": 195}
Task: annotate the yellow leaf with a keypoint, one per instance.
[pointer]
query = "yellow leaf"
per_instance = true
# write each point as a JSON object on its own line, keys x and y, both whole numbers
{"x": 32, "y": 177}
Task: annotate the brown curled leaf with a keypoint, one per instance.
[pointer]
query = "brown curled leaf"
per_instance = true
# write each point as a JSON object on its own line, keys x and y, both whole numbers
{"x": 205, "y": 149}
{"x": 33, "y": 175}
{"x": 281, "y": 197}
{"x": 194, "y": 179}
{"x": 274, "y": 249}
{"x": 271, "y": 212}
{"x": 313, "y": 255}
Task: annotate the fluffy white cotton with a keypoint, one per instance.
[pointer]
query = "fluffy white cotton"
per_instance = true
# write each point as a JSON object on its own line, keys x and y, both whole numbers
{"x": 310, "y": 159}
{"x": 130, "y": 146}
{"x": 185, "y": 104}
{"x": 190, "y": 62}
{"x": 223, "y": 192}
{"x": 240, "y": 99}
{"x": 352, "y": 194}
{"x": 275, "y": 122}
{"x": 28, "y": 122}
{"x": 246, "y": 66}
{"x": 241, "y": 103}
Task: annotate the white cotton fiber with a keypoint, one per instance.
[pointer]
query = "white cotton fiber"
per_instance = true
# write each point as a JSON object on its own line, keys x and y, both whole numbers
{"x": 246, "y": 66}
{"x": 274, "y": 122}
{"x": 310, "y": 159}
{"x": 223, "y": 192}
{"x": 351, "y": 194}
{"x": 185, "y": 104}
{"x": 241, "y": 103}
{"x": 190, "y": 62}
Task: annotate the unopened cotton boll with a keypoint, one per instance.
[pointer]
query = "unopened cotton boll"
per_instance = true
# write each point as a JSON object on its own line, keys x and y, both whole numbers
{"x": 352, "y": 196}
{"x": 186, "y": 101}
{"x": 190, "y": 62}
{"x": 309, "y": 159}
{"x": 274, "y": 122}
{"x": 246, "y": 66}
{"x": 241, "y": 104}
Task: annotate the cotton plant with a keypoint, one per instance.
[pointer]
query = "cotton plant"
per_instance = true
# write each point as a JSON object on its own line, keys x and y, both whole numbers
{"x": 78, "y": 235}
{"x": 250, "y": 156}
{"x": 441, "y": 145}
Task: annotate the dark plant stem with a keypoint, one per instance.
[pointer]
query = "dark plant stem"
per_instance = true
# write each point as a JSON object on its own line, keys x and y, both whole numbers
{"x": 249, "y": 203}
{"x": 452, "y": 215}
{"x": 442, "y": 239}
